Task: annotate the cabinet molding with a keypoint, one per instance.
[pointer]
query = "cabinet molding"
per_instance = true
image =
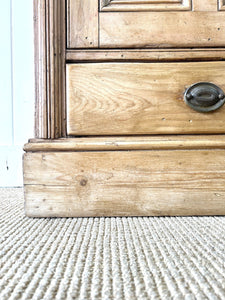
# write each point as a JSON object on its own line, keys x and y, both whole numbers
{"x": 141, "y": 5}
{"x": 50, "y": 33}
{"x": 221, "y": 4}
{"x": 146, "y": 55}
{"x": 169, "y": 142}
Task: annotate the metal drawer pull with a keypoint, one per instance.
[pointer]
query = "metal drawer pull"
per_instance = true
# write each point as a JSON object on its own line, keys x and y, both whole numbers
{"x": 204, "y": 97}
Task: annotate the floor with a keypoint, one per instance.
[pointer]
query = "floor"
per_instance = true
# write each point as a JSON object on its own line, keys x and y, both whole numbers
{"x": 109, "y": 258}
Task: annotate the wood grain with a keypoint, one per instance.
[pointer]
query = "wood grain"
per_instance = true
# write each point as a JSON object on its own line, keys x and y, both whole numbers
{"x": 127, "y": 143}
{"x": 145, "y": 55}
{"x": 202, "y": 5}
{"x": 82, "y": 24}
{"x": 161, "y": 29}
{"x": 40, "y": 56}
{"x": 139, "y": 98}
{"x": 125, "y": 92}
{"x": 50, "y": 32}
{"x": 127, "y": 183}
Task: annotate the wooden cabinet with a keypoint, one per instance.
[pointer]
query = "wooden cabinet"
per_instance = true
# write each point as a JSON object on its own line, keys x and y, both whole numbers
{"x": 145, "y": 24}
{"x": 129, "y": 109}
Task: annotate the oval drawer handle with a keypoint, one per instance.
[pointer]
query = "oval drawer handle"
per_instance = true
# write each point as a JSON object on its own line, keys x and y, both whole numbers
{"x": 204, "y": 97}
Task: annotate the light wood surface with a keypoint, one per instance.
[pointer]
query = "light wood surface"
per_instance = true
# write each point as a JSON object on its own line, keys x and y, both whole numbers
{"x": 41, "y": 116}
{"x": 142, "y": 5}
{"x": 82, "y": 24}
{"x": 139, "y": 98}
{"x": 128, "y": 143}
{"x": 202, "y": 5}
{"x": 159, "y": 5}
{"x": 125, "y": 183}
{"x": 50, "y": 32}
{"x": 146, "y": 55}
{"x": 161, "y": 29}
{"x": 123, "y": 93}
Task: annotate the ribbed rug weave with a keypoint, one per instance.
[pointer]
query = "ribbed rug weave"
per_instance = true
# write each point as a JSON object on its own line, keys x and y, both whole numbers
{"x": 109, "y": 258}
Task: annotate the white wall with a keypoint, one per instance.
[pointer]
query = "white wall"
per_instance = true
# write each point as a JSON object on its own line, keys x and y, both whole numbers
{"x": 16, "y": 87}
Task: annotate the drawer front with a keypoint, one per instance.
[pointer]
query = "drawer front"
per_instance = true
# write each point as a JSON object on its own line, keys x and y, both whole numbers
{"x": 139, "y": 98}
{"x": 136, "y": 24}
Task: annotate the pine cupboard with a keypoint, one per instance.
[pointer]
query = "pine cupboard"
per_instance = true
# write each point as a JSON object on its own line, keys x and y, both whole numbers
{"x": 130, "y": 114}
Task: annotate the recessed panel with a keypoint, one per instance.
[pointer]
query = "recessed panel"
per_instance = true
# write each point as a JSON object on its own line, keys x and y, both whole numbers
{"x": 162, "y": 29}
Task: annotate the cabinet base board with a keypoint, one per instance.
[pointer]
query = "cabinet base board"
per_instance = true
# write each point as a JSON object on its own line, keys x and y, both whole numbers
{"x": 124, "y": 183}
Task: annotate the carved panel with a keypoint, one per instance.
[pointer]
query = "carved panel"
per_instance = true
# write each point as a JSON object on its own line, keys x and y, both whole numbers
{"x": 221, "y": 4}
{"x": 145, "y": 5}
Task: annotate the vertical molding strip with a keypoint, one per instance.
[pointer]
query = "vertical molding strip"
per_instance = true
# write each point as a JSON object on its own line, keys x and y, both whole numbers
{"x": 40, "y": 57}
{"x": 50, "y": 40}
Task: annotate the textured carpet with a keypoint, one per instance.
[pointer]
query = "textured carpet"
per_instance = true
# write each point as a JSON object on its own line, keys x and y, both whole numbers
{"x": 109, "y": 258}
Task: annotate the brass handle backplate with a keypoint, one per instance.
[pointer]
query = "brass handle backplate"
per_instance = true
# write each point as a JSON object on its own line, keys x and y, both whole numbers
{"x": 204, "y": 97}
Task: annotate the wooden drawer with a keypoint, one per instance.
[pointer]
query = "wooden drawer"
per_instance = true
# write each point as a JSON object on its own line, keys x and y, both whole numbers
{"x": 139, "y": 98}
{"x": 148, "y": 24}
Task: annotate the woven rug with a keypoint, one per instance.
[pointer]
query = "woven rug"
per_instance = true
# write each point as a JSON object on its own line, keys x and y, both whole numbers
{"x": 109, "y": 258}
